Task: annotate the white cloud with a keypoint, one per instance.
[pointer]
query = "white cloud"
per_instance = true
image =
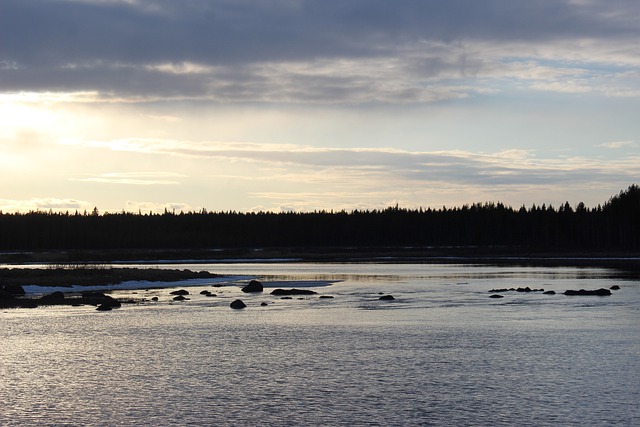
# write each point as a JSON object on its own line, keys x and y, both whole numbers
{"x": 44, "y": 204}
{"x": 157, "y": 207}
{"x": 133, "y": 178}
{"x": 619, "y": 144}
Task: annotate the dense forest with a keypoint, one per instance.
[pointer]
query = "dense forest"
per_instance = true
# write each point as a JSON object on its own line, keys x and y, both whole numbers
{"x": 613, "y": 226}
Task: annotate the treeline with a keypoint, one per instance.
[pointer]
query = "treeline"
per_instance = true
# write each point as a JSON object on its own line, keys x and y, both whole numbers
{"x": 615, "y": 225}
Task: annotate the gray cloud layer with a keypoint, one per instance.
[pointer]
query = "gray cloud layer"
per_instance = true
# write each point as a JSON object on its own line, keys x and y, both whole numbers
{"x": 297, "y": 50}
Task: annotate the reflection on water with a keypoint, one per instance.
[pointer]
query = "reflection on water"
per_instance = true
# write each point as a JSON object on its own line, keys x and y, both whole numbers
{"x": 441, "y": 353}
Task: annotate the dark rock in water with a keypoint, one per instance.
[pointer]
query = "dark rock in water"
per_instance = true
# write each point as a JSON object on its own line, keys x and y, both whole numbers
{"x": 527, "y": 289}
{"x": 180, "y": 298}
{"x": 6, "y": 296}
{"x": 52, "y": 298}
{"x": 293, "y": 292}
{"x": 386, "y": 298}
{"x": 549, "y": 292}
{"x": 615, "y": 288}
{"x": 104, "y": 307}
{"x": 16, "y": 290}
{"x": 205, "y": 292}
{"x": 237, "y": 304}
{"x": 212, "y": 295}
{"x": 597, "y": 292}
{"x": 253, "y": 286}
{"x": 496, "y": 296}
{"x": 325, "y": 296}
{"x": 180, "y": 292}
{"x": 111, "y": 302}
{"x": 286, "y": 297}
{"x": 264, "y": 304}
{"x": 154, "y": 299}
{"x": 27, "y": 303}
{"x": 9, "y": 301}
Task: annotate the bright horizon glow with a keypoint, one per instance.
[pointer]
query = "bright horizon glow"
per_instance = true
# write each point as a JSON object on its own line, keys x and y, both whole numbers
{"x": 305, "y": 106}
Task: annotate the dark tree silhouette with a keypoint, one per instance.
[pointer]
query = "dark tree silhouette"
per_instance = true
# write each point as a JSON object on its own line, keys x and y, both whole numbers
{"x": 610, "y": 227}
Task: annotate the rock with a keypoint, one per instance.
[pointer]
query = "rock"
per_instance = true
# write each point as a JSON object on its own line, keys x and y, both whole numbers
{"x": 496, "y": 296}
{"x": 598, "y": 292}
{"x": 615, "y": 288}
{"x": 527, "y": 289}
{"x": 205, "y": 292}
{"x": 27, "y": 303}
{"x": 212, "y": 295}
{"x": 253, "y": 286}
{"x": 293, "y": 292}
{"x": 16, "y": 290}
{"x": 111, "y": 302}
{"x": 325, "y": 296}
{"x": 264, "y": 304}
{"x": 53, "y": 298}
{"x": 180, "y": 298}
{"x": 237, "y": 304}
{"x": 180, "y": 292}
{"x": 286, "y": 297}
{"x": 386, "y": 298}
{"x": 9, "y": 301}
{"x": 549, "y": 292}
{"x": 154, "y": 299}
{"x": 104, "y": 307}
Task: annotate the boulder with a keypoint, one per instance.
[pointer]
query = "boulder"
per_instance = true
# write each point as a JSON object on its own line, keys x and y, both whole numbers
{"x": 386, "y": 298}
{"x": 496, "y": 296}
{"x": 253, "y": 286}
{"x": 264, "y": 304}
{"x": 598, "y": 292}
{"x": 180, "y": 292}
{"x": 281, "y": 292}
{"x": 237, "y": 304}
{"x": 155, "y": 299}
{"x": 104, "y": 307}
{"x": 549, "y": 292}
{"x": 212, "y": 295}
{"x": 111, "y": 302}
{"x": 53, "y": 298}
{"x": 13, "y": 289}
{"x": 205, "y": 292}
{"x": 180, "y": 298}
{"x": 325, "y": 296}
{"x": 615, "y": 288}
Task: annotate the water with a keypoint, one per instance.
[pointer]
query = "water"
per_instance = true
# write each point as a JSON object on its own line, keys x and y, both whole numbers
{"x": 442, "y": 353}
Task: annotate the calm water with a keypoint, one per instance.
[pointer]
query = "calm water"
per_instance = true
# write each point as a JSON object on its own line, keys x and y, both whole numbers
{"x": 442, "y": 353}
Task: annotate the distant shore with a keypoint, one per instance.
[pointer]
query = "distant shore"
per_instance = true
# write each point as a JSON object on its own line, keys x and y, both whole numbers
{"x": 93, "y": 275}
{"x": 457, "y": 255}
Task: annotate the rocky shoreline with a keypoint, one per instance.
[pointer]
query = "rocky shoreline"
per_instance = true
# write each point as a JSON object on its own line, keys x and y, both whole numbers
{"x": 13, "y": 295}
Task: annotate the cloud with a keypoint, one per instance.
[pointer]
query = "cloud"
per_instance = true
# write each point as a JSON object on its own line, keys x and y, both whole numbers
{"x": 157, "y": 207}
{"x": 619, "y": 144}
{"x": 133, "y": 178}
{"x": 305, "y": 51}
{"x": 357, "y": 168}
{"x": 44, "y": 204}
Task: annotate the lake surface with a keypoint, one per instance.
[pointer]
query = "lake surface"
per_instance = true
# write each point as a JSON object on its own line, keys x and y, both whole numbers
{"x": 442, "y": 353}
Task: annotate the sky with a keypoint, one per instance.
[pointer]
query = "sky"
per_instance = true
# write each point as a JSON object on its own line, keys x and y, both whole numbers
{"x": 302, "y": 105}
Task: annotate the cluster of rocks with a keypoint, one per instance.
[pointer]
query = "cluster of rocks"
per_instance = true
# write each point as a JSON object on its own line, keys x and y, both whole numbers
{"x": 596, "y": 292}
{"x": 13, "y": 296}
{"x": 525, "y": 289}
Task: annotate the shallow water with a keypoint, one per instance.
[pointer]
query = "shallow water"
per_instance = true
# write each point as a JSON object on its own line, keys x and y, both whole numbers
{"x": 442, "y": 353}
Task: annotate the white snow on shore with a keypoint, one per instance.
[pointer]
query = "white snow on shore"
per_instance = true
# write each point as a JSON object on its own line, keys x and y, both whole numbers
{"x": 145, "y": 284}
